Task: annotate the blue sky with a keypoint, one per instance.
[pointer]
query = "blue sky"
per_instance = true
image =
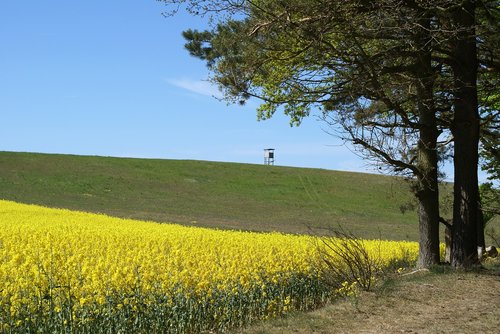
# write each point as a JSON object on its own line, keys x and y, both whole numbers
{"x": 112, "y": 78}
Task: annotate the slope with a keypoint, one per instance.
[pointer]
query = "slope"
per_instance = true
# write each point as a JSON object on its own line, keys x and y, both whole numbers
{"x": 214, "y": 194}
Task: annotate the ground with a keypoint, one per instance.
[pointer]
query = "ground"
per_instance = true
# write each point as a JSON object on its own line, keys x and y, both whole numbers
{"x": 423, "y": 302}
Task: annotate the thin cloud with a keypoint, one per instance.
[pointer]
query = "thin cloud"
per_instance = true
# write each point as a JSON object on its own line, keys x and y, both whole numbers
{"x": 200, "y": 87}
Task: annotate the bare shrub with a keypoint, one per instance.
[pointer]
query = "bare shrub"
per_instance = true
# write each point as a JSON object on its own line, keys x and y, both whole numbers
{"x": 345, "y": 262}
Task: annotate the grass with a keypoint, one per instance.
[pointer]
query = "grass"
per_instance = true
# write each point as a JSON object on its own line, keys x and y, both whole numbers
{"x": 212, "y": 194}
{"x": 215, "y": 194}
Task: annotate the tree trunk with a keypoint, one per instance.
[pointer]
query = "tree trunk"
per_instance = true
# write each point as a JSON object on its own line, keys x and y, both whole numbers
{"x": 428, "y": 213}
{"x": 447, "y": 242}
{"x": 465, "y": 130}
{"x": 427, "y": 158}
{"x": 427, "y": 192}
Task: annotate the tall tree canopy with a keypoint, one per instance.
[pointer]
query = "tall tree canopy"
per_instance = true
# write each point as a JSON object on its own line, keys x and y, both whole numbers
{"x": 404, "y": 81}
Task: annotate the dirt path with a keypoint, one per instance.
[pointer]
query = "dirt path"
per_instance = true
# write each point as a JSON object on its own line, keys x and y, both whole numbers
{"x": 450, "y": 304}
{"x": 419, "y": 303}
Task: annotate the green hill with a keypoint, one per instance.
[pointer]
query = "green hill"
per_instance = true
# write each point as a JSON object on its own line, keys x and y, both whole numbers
{"x": 222, "y": 195}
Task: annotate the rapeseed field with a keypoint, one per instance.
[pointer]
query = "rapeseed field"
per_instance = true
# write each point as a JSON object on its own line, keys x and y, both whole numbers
{"x": 76, "y": 272}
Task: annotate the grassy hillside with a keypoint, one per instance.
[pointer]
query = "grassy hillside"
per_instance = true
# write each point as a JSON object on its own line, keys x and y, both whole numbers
{"x": 223, "y": 195}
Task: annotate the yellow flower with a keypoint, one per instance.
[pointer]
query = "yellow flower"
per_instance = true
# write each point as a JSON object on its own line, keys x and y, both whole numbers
{"x": 51, "y": 254}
